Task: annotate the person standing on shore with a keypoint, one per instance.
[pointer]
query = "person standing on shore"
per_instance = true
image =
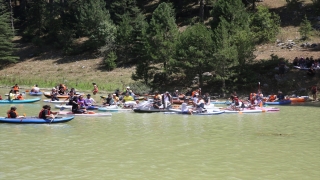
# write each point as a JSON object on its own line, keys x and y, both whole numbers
{"x": 95, "y": 89}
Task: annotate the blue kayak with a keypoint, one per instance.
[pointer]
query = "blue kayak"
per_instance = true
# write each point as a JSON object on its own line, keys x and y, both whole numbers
{"x": 282, "y": 102}
{"x": 35, "y": 120}
{"x": 35, "y": 93}
{"x": 19, "y": 101}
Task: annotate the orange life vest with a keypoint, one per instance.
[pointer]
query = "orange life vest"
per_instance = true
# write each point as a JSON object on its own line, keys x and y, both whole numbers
{"x": 272, "y": 98}
{"x": 15, "y": 88}
{"x": 20, "y": 97}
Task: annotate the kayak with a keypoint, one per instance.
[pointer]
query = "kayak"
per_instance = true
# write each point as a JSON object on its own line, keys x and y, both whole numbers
{"x": 113, "y": 108}
{"x": 220, "y": 102}
{"x": 178, "y": 111}
{"x": 19, "y": 101}
{"x": 245, "y": 111}
{"x": 91, "y": 113}
{"x": 299, "y": 99}
{"x": 150, "y": 110}
{"x": 283, "y": 102}
{"x": 48, "y": 95}
{"x": 70, "y": 107}
{"x": 56, "y": 102}
{"x": 35, "y": 120}
{"x": 35, "y": 93}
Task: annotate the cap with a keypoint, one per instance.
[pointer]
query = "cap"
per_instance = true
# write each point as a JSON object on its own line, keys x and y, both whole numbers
{"x": 88, "y": 94}
{"x": 114, "y": 94}
{"x": 53, "y": 88}
{"x": 167, "y": 92}
{"x": 128, "y": 87}
{"x": 176, "y": 90}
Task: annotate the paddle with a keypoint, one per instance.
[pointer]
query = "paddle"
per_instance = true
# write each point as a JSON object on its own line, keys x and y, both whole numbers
{"x": 52, "y": 119}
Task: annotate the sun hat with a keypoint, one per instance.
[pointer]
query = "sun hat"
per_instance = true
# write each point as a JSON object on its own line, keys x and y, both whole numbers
{"x": 128, "y": 87}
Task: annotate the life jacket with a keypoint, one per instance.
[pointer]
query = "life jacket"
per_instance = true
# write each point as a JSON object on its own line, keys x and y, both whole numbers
{"x": 42, "y": 115}
{"x": 20, "y": 97}
{"x": 13, "y": 112}
{"x": 15, "y": 88}
{"x": 272, "y": 98}
{"x": 236, "y": 100}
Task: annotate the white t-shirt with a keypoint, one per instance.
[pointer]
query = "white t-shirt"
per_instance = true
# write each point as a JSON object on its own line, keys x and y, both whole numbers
{"x": 36, "y": 89}
{"x": 184, "y": 107}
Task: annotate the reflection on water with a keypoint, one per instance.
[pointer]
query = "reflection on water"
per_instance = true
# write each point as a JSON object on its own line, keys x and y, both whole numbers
{"x": 280, "y": 145}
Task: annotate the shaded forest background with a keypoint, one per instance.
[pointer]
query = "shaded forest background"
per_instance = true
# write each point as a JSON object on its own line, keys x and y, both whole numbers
{"x": 171, "y": 43}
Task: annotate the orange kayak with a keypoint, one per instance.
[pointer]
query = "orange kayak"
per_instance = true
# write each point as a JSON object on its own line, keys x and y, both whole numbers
{"x": 298, "y": 99}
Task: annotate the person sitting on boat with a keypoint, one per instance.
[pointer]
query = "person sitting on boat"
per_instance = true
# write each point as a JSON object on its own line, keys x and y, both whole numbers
{"x": 1, "y": 97}
{"x": 54, "y": 95}
{"x": 272, "y": 98}
{"x": 166, "y": 99}
{"x": 175, "y": 95}
{"x": 127, "y": 98}
{"x": 157, "y": 100}
{"x": 81, "y": 102}
{"x": 195, "y": 100}
{"x": 89, "y": 101}
{"x": 62, "y": 89}
{"x": 188, "y": 93}
{"x": 46, "y": 113}
{"x": 12, "y": 113}
{"x": 73, "y": 100}
{"x": 11, "y": 95}
{"x": 95, "y": 89}
{"x": 280, "y": 96}
{"x": 184, "y": 107}
{"x": 115, "y": 98}
{"x": 197, "y": 91}
{"x": 15, "y": 88}
{"x": 35, "y": 89}
{"x": 259, "y": 99}
{"x": 117, "y": 92}
{"x": 200, "y": 105}
{"x": 206, "y": 98}
{"x": 108, "y": 101}
{"x": 20, "y": 97}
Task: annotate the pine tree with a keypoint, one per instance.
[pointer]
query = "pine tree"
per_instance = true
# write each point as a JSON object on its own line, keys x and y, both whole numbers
{"x": 305, "y": 28}
{"x": 194, "y": 51}
{"x": 6, "y": 35}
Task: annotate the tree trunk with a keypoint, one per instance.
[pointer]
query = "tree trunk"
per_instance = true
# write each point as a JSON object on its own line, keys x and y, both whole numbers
{"x": 201, "y": 14}
{"x": 11, "y": 17}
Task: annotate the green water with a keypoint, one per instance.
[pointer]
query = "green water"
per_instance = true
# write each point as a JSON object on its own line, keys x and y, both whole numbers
{"x": 280, "y": 145}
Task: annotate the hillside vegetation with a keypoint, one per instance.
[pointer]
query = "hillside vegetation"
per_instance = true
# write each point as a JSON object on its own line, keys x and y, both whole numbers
{"x": 135, "y": 53}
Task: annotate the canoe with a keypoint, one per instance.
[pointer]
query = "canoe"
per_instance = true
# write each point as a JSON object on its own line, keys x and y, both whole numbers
{"x": 55, "y": 102}
{"x": 114, "y": 108}
{"x": 48, "y": 95}
{"x": 220, "y": 102}
{"x": 283, "y": 102}
{"x": 35, "y": 120}
{"x": 6, "y": 101}
{"x": 70, "y": 107}
{"x": 299, "y": 99}
{"x": 93, "y": 114}
{"x": 245, "y": 111}
{"x": 150, "y": 110}
{"x": 35, "y": 93}
{"x": 178, "y": 111}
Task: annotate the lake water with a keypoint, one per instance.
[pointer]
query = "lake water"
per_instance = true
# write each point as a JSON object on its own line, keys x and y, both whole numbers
{"x": 279, "y": 145}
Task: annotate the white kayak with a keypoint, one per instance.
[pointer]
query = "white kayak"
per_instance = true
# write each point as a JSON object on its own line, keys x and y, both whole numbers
{"x": 244, "y": 111}
{"x": 89, "y": 114}
{"x": 55, "y": 102}
{"x": 113, "y": 108}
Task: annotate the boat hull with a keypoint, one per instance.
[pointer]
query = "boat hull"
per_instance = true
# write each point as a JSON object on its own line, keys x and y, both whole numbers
{"x": 35, "y": 120}
{"x": 19, "y": 101}
{"x": 283, "y": 102}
